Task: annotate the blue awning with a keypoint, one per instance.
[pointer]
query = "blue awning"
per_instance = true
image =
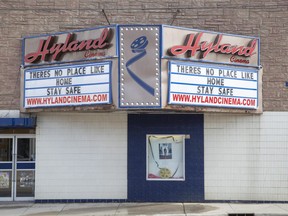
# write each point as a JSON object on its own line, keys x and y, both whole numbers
{"x": 17, "y": 122}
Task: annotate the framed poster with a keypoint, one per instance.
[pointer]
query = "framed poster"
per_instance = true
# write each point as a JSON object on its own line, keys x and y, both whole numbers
{"x": 165, "y": 157}
{"x": 4, "y": 180}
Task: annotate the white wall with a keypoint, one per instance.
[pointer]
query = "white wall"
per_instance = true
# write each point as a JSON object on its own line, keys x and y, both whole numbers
{"x": 81, "y": 156}
{"x": 84, "y": 156}
{"x": 246, "y": 156}
{"x": 10, "y": 114}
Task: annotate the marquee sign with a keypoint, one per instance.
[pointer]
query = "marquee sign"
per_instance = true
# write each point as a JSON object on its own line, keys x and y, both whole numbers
{"x": 204, "y": 46}
{"x": 209, "y": 85}
{"x": 89, "y": 44}
{"x": 73, "y": 85}
{"x": 142, "y": 67}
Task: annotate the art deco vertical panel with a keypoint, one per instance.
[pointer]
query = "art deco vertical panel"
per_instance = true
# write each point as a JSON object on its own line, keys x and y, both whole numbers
{"x": 139, "y": 74}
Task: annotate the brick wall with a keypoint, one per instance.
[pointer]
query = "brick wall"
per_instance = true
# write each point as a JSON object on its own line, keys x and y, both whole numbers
{"x": 265, "y": 18}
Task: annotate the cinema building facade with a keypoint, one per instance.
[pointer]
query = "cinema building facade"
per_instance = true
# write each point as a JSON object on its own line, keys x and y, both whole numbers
{"x": 143, "y": 113}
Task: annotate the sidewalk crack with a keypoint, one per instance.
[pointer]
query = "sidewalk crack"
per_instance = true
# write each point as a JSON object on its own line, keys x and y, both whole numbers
{"x": 26, "y": 209}
{"x": 279, "y": 206}
{"x": 184, "y": 209}
{"x": 61, "y": 210}
{"x": 117, "y": 209}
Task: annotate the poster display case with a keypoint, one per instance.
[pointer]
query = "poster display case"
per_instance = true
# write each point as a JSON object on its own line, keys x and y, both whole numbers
{"x": 165, "y": 157}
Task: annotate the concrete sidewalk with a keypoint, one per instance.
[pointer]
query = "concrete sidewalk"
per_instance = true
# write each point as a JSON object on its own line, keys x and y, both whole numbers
{"x": 121, "y": 209}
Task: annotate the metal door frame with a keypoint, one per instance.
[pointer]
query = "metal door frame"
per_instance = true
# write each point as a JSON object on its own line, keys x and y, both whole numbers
{"x": 15, "y": 138}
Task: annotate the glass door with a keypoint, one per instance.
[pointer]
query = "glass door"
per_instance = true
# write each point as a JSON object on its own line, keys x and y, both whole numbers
{"x": 17, "y": 168}
{"x": 6, "y": 168}
{"x": 24, "y": 168}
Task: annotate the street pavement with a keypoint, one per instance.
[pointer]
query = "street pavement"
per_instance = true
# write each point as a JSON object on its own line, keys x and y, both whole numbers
{"x": 142, "y": 209}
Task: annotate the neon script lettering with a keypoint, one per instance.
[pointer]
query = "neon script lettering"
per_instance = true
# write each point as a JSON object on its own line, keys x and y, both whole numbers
{"x": 194, "y": 44}
{"x": 47, "y": 47}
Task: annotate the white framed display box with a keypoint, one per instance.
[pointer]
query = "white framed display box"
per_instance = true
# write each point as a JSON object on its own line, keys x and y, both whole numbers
{"x": 165, "y": 157}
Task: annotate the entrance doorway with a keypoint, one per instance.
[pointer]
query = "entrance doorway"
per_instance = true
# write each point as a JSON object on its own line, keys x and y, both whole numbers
{"x": 17, "y": 167}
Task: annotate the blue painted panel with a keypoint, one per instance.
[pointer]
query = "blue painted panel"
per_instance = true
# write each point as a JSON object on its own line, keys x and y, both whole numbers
{"x": 18, "y": 123}
{"x": 5, "y": 166}
{"x": 26, "y": 165}
{"x": 192, "y": 189}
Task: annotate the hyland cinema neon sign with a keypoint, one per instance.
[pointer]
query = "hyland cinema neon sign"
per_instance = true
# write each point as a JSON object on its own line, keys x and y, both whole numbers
{"x": 50, "y": 49}
{"x": 194, "y": 44}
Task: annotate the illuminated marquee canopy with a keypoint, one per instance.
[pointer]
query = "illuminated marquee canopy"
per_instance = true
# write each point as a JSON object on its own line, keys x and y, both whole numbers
{"x": 145, "y": 67}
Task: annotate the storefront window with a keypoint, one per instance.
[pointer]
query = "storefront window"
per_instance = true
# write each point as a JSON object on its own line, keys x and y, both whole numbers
{"x": 5, "y": 183}
{"x": 165, "y": 157}
{"x": 25, "y": 183}
{"x": 5, "y": 149}
{"x": 26, "y": 149}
